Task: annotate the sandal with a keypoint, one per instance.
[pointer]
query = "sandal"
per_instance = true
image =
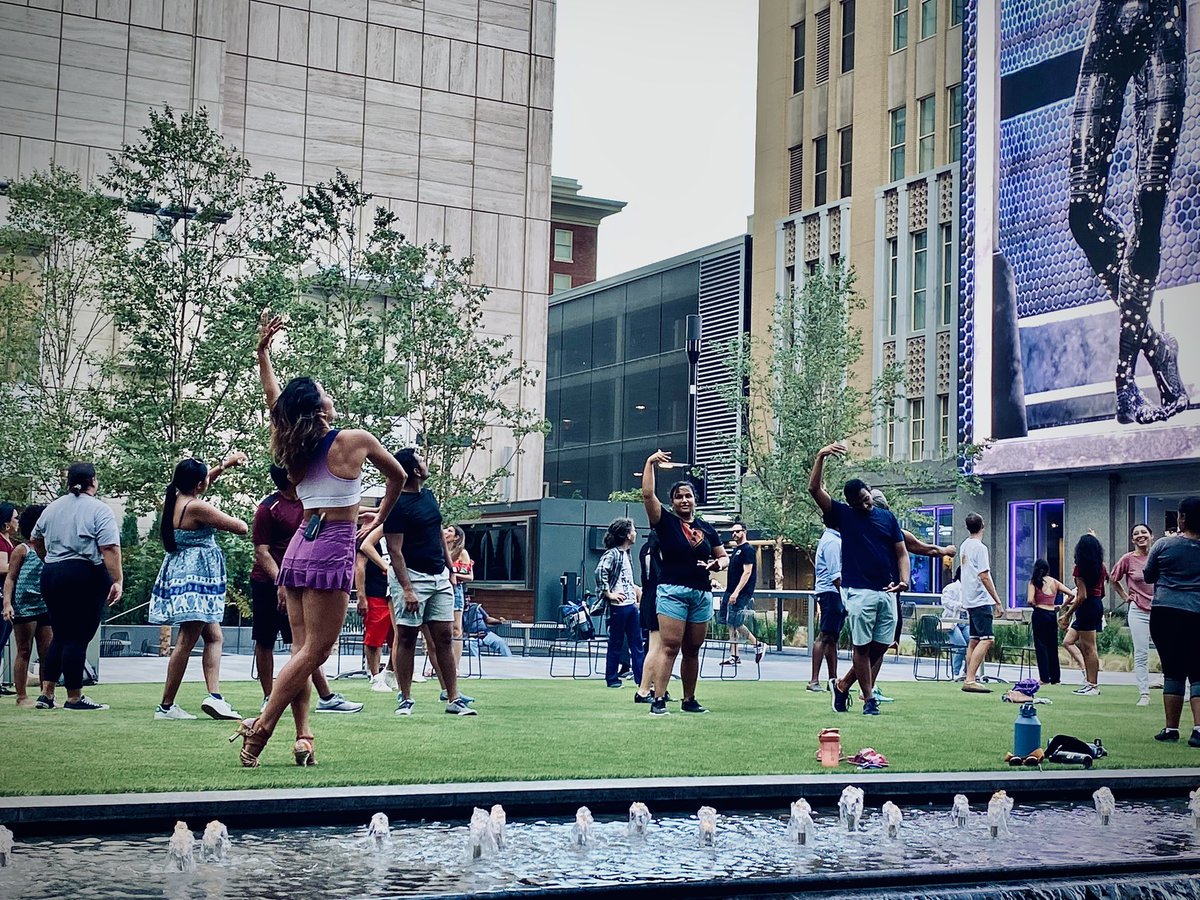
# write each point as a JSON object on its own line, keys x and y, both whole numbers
{"x": 254, "y": 741}
{"x": 304, "y": 751}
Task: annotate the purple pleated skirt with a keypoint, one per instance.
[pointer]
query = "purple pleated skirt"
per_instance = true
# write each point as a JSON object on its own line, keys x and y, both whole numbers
{"x": 326, "y": 563}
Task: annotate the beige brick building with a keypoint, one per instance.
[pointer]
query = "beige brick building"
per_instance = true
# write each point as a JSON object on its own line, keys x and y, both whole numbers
{"x": 856, "y": 160}
{"x": 441, "y": 107}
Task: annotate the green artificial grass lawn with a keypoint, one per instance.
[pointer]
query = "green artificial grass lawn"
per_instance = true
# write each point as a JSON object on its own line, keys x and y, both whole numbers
{"x": 542, "y": 729}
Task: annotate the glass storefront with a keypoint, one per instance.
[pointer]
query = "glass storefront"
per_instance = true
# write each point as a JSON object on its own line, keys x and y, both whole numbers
{"x": 929, "y": 576}
{"x": 1035, "y": 531}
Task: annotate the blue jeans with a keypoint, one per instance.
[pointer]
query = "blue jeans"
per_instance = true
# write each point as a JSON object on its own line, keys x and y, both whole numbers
{"x": 491, "y": 640}
{"x": 958, "y": 640}
{"x": 624, "y": 629}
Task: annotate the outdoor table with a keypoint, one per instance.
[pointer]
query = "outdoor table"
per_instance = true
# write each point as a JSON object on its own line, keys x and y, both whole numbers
{"x": 526, "y": 628}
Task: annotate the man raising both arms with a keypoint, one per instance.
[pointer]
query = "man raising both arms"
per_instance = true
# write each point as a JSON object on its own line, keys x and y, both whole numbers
{"x": 875, "y": 565}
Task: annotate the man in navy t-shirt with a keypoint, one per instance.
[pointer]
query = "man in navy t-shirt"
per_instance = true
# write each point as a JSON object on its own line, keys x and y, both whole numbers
{"x": 875, "y": 566}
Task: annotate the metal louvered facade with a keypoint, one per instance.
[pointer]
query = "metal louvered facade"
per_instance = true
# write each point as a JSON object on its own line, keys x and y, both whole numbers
{"x": 718, "y": 428}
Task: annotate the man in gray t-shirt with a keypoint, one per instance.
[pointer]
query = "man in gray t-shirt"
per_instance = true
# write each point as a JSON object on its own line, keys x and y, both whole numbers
{"x": 979, "y": 597}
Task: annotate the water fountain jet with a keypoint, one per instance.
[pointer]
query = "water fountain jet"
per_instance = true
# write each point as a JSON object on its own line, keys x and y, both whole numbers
{"x": 581, "y": 834}
{"x": 180, "y": 849}
{"x": 706, "y": 832}
{"x": 1105, "y": 804}
{"x": 639, "y": 819}
{"x": 999, "y": 809}
{"x": 499, "y": 823}
{"x": 892, "y": 818}
{"x": 800, "y": 825}
{"x": 379, "y": 829}
{"x": 1194, "y": 806}
{"x": 480, "y": 835}
{"x": 6, "y": 845}
{"x": 850, "y": 807}
{"x": 960, "y": 811}
{"x": 214, "y": 845}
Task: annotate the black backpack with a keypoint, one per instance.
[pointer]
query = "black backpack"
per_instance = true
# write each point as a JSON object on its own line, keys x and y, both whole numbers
{"x": 1068, "y": 750}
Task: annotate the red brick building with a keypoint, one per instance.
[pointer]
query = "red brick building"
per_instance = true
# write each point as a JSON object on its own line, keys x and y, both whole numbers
{"x": 574, "y": 227}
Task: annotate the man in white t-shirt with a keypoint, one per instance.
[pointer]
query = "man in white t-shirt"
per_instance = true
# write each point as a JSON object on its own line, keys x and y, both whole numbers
{"x": 979, "y": 598}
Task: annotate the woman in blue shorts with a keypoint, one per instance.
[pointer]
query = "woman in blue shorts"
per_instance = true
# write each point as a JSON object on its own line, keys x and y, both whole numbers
{"x": 690, "y": 549}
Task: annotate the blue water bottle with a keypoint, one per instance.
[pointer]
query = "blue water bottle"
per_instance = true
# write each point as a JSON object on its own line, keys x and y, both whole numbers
{"x": 1027, "y": 731}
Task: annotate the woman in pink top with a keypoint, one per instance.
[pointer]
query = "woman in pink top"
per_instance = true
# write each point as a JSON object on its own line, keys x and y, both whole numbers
{"x": 317, "y": 571}
{"x": 1127, "y": 578}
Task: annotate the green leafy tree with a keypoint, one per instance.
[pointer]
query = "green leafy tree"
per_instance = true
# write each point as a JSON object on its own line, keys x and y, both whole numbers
{"x": 58, "y": 247}
{"x": 395, "y": 332}
{"x": 801, "y": 397}
{"x": 187, "y": 301}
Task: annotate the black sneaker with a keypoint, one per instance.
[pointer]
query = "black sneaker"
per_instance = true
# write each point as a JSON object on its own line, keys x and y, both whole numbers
{"x": 6, "y": 691}
{"x": 615, "y": 684}
{"x": 839, "y": 699}
{"x": 1194, "y": 740}
{"x": 668, "y": 698}
{"x": 84, "y": 703}
{"x": 1168, "y": 734}
{"x": 639, "y": 698}
{"x": 871, "y": 707}
{"x": 659, "y": 708}
{"x": 692, "y": 706}
{"x": 44, "y": 702}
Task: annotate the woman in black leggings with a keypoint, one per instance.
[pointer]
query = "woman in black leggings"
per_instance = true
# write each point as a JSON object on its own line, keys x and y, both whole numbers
{"x": 77, "y": 537}
{"x": 1173, "y": 567}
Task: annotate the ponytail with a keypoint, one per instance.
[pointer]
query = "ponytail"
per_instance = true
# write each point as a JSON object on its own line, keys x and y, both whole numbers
{"x": 189, "y": 474}
{"x": 166, "y": 526}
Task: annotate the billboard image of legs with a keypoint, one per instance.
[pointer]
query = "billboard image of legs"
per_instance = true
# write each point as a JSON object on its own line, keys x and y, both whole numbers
{"x": 1081, "y": 307}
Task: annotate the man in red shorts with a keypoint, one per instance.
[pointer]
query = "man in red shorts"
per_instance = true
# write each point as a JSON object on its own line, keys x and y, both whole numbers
{"x": 370, "y": 579}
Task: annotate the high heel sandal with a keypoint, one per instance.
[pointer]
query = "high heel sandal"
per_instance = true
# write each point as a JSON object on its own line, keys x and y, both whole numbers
{"x": 254, "y": 741}
{"x": 304, "y": 750}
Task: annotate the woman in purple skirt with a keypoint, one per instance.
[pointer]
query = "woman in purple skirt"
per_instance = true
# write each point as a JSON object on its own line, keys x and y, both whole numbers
{"x": 317, "y": 571}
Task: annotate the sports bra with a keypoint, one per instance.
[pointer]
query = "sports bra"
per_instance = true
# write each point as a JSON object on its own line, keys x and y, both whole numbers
{"x": 321, "y": 488}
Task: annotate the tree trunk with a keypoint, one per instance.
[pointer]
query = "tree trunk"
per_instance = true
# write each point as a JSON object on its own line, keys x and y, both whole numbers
{"x": 779, "y": 562}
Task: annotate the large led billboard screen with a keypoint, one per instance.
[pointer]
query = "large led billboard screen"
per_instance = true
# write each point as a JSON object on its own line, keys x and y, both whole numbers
{"x": 1081, "y": 232}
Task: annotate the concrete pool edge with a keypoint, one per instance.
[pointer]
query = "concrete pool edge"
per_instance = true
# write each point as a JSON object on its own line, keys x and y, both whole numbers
{"x": 272, "y": 807}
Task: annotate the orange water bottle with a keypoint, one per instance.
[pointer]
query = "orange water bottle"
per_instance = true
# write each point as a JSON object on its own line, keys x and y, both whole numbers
{"x": 829, "y": 747}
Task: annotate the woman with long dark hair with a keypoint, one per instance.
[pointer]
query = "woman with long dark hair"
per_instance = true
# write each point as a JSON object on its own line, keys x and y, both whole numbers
{"x": 78, "y": 539}
{"x": 1088, "y": 607}
{"x": 325, "y": 465}
{"x": 1042, "y": 594}
{"x": 1127, "y": 579}
{"x": 691, "y": 549}
{"x": 8, "y": 545}
{"x": 190, "y": 588}
{"x": 462, "y": 567}
{"x": 614, "y": 582}
{"x": 651, "y": 562}
{"x": 24, "y": 607}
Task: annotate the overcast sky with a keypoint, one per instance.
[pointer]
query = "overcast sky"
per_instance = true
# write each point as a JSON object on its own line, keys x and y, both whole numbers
{"x": 654, "y": 105}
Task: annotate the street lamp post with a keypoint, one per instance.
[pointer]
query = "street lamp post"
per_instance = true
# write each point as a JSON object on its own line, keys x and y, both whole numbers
{"x": 694, "y": 328}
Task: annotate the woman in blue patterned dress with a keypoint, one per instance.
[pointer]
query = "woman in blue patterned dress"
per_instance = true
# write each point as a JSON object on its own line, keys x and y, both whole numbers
{"x": 190, "y": 588}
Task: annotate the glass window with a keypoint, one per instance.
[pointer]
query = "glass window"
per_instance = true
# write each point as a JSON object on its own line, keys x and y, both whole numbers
{"x": 608, "y": 308}
{"x": 954, "y": 112}
{"x": 928, "y": 18}
{"x": 898, "y": 132}
{"x": 845, "y": 161}
{"x": 1159, "y": 511}
{"x": 916, "y": 430}
{"x": 554, "y": 328}
{"x": 562, "y": 282}
{"x": 552, "y": 416}
{"x": 1035, "y": 531}
{"x": 639, "y": 407}
{"x": 893, "y": 285}
{"x": 577, "y": 336}
{"x": 943, "y": 403}
{"x": 574, "y": 412}
{"x": 920, "y": 278}
{"x": 572, "y": 481}
{"x": 797, "y": 57}
{"x": 672, "y": 397}
{"x": 500, "y": 551}
{"x": 643, "y": 318}
{"x": 563, "y": 245}
{"x": 603, "y": 425}
{"x": 899, "y": 24}
{"x": 889, "y": 432}
{"x": 935, "y": 527}
{"x": 949, "y": 261}
{"x": 927, "y": 124}
{"x": 680, "y": 299}
{"x": 821, "y": 171}
{"x": 956, "y": 12}
{"x": 847, "y": 35}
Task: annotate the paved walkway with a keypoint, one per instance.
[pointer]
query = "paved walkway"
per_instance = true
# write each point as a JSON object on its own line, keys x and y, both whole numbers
{"x": 790, "y": 665}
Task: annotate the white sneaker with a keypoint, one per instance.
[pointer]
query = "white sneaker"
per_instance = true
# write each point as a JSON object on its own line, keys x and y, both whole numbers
{"x": 338, "y": 704}
{"x": 219, "y": 708}
{"x": 418, "y": 678}
{"x": 174, "y": 711}
{"x": 1088, "y": 690}
{"x": 1143, "y": 700}
{"x": 379, "y": 684}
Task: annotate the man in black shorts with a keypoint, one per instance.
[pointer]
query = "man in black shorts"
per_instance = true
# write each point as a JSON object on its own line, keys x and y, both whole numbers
{"x": 741, "y": 580}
